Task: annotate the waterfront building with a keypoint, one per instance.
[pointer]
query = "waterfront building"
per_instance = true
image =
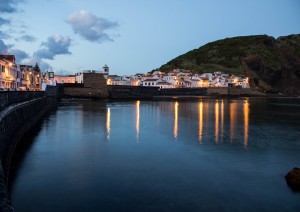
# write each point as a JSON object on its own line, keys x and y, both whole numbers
{"x": 64, "y": 79}
{"x": 179, "y": 79}
{"x": 135, "y": 81}
{"x": 79, "y": 78}
{"x": 27, "y": 82}
{"x": 105, "y": 70}
{"x": 195, "y": 83}
{"x": 48, "y": 79}
{"x": 164, "y": 85}
{"x": 151, "y": 82}
{"x": 113, "y": 79}
{"x": 123, "y": 80}
{"x": 10, "y": 72}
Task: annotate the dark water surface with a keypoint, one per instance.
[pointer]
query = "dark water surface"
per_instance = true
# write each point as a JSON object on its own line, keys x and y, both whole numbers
{"x": 204, "y": 155}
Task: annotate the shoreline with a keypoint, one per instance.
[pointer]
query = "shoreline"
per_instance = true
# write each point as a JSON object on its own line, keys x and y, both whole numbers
{"x": 180, "y": 97}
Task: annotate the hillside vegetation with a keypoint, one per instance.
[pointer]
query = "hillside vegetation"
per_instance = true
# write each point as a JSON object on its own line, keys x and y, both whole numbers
{"x": 271, "y": 64}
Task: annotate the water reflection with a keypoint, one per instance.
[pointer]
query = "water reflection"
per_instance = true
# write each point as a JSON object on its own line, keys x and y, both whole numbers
{"x": 176, "y": 120}
{"x": 217, "y": 121}
{"x": 200, "y": 121}
{"x": 232, "y": 112}
{"x": 222, "y": 120}
{"x": 104, "y": 176}
{"x": 108, "y": 123}
{"x": 137, "y": 119}
{"x": 246, "y": 122}
{"x": 212, "y": 119}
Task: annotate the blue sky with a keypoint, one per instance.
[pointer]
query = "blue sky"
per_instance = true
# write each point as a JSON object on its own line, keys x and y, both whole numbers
{"x": 131, "y": 36}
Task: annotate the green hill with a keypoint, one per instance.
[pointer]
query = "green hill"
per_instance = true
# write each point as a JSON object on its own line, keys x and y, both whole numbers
{"x": 271, "y": 64}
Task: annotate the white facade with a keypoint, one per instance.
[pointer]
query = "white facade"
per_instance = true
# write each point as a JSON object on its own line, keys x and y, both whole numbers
{"x": 10, "y": 74}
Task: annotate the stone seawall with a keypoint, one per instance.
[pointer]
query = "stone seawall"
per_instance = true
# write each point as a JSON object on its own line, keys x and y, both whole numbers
{"x": 12, "y": 97}
{"x": 183, "y": 92}
{"x": 15, "y": 120}
{"x": 142, "y": 92}
{"x": 233, "y": 91}
{"x": 73, "y": 92}
{"x": 131, "y": 92}
{"x": 94, "y": 87}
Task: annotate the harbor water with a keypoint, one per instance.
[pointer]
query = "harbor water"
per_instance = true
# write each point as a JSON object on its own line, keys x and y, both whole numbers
{"x": 175, "y": 155}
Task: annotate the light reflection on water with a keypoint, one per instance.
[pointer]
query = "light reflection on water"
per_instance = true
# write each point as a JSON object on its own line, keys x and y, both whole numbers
{"x": 238, "y": 112}
{"x": 206, "y": 155}
{"x": 217, "y": 121}
{"x": 200, "y": 121}
{"x": 137, "y": 121}
{"x": 176, "y": 105}
{"x": 246, "y": 122}
{"x": 108, "y": 123}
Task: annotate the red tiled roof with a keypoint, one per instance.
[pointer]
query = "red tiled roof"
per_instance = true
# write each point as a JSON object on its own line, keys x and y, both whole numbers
{"x": 11, "y": 58}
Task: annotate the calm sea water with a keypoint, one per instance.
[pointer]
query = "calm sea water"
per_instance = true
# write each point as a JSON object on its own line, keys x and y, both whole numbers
{"x": 202, "y": 155}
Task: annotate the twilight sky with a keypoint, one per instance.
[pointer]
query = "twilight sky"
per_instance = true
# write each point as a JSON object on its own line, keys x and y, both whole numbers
{"x": 131, "y": 36}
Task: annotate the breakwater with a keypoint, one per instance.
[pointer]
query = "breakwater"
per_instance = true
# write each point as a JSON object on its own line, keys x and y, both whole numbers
{"x": 131, "y": 92}
{"x": 94, "y": 87}
{"x": 20, "y": 111}
{"x": 141, "y": 92}
{"x": 12, "y": 97}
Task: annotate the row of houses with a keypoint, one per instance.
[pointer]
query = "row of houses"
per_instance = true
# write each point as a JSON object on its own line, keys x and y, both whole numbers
{"x": 180, "y": 79}
{"x": 173, "y": 79}
{"x": 51, "y": 79}
{"x": 18, "y": 77}
{"x": 15, "y": 77}
{"x": 25, "y": 77}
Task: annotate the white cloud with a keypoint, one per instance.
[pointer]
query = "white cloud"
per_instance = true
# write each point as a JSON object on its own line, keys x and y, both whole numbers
{"x": 4, "y": 21}
{"x": 7, "y": 49}
{"x": 27, "y": 38}
{"x": 19, "y": 54}
{"x": 9, "y": 6}
{"x": 3, "y": 47}
{"x": 55, "y": 45}
{"x": 32, "y": 61}
{"x": 91, "y": 27}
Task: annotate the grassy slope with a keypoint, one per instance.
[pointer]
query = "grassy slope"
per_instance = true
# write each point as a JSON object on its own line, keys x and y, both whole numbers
{"x": 262, "y": 57}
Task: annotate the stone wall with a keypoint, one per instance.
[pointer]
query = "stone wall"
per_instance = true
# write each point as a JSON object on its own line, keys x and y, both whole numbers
{"x": 11, "y": 97}
{"x": 132, "y": 92}
{"x": 54, "y": 91}
{"x": 94, "y": 80}
{"x": 84, "y": 93}
{"x": 15, "y": 120}
{"x": 94, "y": 87}
{"x": 183, "y": 92}
{"x": 217, "y": 91}
{"x": 233, "y": 91}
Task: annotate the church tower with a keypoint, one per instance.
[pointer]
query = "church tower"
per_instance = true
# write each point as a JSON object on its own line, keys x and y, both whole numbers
{"x": 106, "y": 69}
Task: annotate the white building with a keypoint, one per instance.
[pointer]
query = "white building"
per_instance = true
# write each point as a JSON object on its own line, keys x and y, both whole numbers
{"x": 10, "y": 74}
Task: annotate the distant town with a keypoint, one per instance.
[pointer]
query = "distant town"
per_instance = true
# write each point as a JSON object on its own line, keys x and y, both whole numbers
{"x": 16, "y": 77}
